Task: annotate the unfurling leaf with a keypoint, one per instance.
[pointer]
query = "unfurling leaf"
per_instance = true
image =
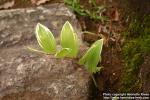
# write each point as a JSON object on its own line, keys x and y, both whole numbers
{"x": 45, "y": 39}
{"x": 63, "y": 52}
{"x": 93, "y": 56}
{"x": 68, "y": 39}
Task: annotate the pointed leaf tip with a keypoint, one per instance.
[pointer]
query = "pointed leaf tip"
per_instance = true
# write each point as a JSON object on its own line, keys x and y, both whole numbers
{"x": 45, "y": 39}
{"x": 93, "y": 56}
{"x": 68, "y": 39}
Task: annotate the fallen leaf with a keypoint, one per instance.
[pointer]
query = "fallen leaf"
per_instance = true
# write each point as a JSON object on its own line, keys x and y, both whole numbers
{"x": 38, "y": 2}
{"x": 115, "y": 15}
{"x": 100, "y": 27}
{"x": 7, "y": 5}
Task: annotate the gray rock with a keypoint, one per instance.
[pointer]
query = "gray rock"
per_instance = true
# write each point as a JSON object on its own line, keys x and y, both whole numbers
{"x": 25, "y": 75}
{"x": 17, "y": 25}
{"x": 145, "y": 75}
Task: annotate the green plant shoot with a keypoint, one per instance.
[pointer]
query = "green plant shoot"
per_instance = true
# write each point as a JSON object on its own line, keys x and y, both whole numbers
{"x": 63, "y": 52}
{"x": 68, "y": 39}
{"x": 69, "y": 46}
{"x": 76, "y": 7}
{"x": 92, "y": 57}
{"x": 45, "y": 39}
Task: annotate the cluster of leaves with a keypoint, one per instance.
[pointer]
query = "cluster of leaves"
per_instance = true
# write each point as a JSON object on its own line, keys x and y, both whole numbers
{"x": 46, "y": 40}
{"x": 69, "y": 46}
{"x": 95, "y": 13}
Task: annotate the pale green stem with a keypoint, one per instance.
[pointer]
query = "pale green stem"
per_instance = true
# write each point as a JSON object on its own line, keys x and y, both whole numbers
{"x": 38, "y": 51}
{"x": 94, "y": 80}
{"x": 88, "y": 32}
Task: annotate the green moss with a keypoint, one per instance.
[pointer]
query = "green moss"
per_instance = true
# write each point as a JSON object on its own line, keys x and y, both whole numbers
{"x": 93, "y": 11}
{"x": 137, "y": 45}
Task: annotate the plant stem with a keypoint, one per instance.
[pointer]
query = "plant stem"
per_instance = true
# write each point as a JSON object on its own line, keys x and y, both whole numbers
{"x": 94, "y": 80}
{"x": 88, "y": 32}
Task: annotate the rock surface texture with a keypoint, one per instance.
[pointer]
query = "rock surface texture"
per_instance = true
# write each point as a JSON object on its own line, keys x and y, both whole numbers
{"x": 25, "y": 75}
{"x": 145, "y": 74}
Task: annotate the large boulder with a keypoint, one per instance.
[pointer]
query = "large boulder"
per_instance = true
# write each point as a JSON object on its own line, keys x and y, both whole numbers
{"x": 25, "y": 75}
{"x": 17, "y": 26}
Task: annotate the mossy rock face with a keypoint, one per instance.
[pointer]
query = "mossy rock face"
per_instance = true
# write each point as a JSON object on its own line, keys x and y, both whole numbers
{"x": 139, "y": 6}
{"x": 137, "y": 45}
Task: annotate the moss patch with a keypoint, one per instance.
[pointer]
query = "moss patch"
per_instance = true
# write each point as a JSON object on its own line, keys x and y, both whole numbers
{"x": 137, "y": 45}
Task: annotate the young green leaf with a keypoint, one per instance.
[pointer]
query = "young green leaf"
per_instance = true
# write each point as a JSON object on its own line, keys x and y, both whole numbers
{"x": 63, "y": 52}
{"x": 93, "y": 56}
{"x": 45, "y": 39}
{"x": 68, "y": 39}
